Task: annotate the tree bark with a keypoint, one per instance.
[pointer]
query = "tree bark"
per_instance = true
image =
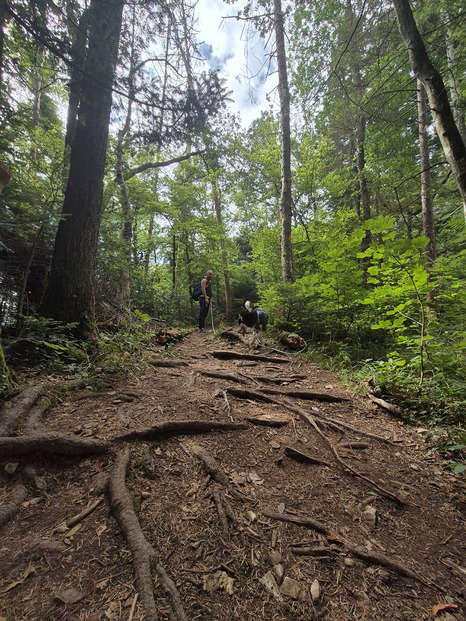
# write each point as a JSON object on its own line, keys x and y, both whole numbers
{"x": 69, "y": 295}
{"x": 455, "y": 86}
{"x": 285, "y": 139}
{"x": 447, "y": 131}
{"x": 78, "y": 54}
{"x": 226, "y": 276}
{"x": 428, "y": 226}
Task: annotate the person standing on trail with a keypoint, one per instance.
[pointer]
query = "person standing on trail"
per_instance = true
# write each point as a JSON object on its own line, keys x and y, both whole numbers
{"x": 204, "y": 299}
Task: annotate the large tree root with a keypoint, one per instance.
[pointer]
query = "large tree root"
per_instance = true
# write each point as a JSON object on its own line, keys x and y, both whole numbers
{"x": 306, "y": 395}
{"x": 226, "y": 376}
{"x": 12, "y": 411}
{"x": 144, "y": 556}
{"x": 9, "y": 510}
{"x": 50, "y": 444}
{"x": 234, "y": 355}
{"x": 178, "y": 428}
{"x": 356, "y": 550}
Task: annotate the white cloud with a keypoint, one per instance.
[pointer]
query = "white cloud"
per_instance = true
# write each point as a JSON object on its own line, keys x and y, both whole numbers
{"x": 239, "y": 56}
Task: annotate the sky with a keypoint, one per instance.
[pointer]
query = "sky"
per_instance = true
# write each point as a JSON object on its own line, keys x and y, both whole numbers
{"x": 224, "y": 46}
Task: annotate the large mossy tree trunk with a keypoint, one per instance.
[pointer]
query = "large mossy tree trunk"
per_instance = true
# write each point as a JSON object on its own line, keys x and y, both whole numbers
{"x": 69, "y": 296}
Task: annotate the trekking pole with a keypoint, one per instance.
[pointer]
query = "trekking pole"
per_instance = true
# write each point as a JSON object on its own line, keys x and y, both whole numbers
{"x": 212, "y": 316}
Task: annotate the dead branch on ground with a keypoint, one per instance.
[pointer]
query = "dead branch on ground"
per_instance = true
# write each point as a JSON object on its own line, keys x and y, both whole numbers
{"x": 87, "y": 511}
{"x": 393, "y": 409}
{"x": 167, "y": 363}
{"x": 144, "y": 557}
{"x": 177, "y": 428}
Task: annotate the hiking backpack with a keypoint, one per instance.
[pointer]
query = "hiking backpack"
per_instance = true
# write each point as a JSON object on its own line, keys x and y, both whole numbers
{"x": 197, "y": 291}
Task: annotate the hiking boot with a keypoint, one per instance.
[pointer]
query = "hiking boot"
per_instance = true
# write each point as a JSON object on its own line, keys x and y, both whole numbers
{"x": 202, "y": 330}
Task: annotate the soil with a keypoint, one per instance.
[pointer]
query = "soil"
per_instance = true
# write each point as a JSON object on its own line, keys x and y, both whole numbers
{"x": 243, "y": 529}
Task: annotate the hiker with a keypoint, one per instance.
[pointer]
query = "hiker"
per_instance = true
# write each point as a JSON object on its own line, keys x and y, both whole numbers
{"x": 204, "y": 299}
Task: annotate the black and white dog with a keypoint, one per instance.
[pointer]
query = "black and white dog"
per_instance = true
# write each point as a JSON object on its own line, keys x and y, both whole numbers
{"x": 255, "y": 318}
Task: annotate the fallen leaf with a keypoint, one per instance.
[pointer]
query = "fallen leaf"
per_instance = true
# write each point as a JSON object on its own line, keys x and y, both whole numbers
{"x": 439, "y": 607}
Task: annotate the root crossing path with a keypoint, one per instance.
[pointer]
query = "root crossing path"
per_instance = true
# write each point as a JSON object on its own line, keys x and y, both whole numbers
{"x": 224, "y": 484}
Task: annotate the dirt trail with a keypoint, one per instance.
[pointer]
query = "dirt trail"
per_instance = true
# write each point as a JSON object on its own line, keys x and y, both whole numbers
{"x": 242, "y": 523}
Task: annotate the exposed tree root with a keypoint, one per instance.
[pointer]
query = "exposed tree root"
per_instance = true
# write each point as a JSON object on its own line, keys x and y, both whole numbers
{"x": 306, "y": 416}
{"x": 9, "y": 510}
{"x": 211, "y": 466}
{"x": 12, "y": 411}
{"x": 305, "y": 395}
{"x": 226, "y": 376}
{"x": 142, "y": 552}
{"x": 51, "y": 443}
{"x": 304, "y": 458}
{"x": 229, "y": 355}
{"x": 266, "y": 422}
{"x": 330, "y": 422}
{"x": 356, "y": 550}
{"x": 221, "y": 511}
{"x": 177, "y": 428}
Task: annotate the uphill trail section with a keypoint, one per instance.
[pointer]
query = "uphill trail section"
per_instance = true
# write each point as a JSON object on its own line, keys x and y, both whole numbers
{"x": 224, "y": 484}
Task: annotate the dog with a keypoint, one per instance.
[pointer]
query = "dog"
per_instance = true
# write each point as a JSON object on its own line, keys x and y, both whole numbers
{"x": 255, "y": 318}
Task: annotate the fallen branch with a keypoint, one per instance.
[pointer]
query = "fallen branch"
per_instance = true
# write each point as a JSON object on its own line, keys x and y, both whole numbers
{"x": 142, "y": 552}
{"x": 230, "y": 355}
{"x": 87, "y": 511}
{"x": 177, "y": 428}
{"x": 304, "y": 457}
{"x": 51, "y": 444}
{"x": 167, "y": 363}
{"x": 12, "y": 411}
{"x": 393, "y": 409}
{"x": 356, "y": 550}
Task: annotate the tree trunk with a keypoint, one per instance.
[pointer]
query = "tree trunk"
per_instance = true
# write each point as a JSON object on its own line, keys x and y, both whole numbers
{"x": 226, "y": 277}
{"x": 78, "y": 55}
{"x": 2, "y": 43}
{"x": 426, "y": 186}
{"x": 447, "y": 131}
{"x": 285, "y": 196}
{"x": 69, "y": 295}
{"x": 458, "y": 106}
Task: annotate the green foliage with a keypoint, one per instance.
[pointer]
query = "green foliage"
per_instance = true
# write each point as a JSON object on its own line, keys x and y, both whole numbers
{"x": 45, "y": 343}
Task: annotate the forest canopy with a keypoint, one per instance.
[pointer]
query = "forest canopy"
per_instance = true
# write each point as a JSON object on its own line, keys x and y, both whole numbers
{"x": 340, "y": 209}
